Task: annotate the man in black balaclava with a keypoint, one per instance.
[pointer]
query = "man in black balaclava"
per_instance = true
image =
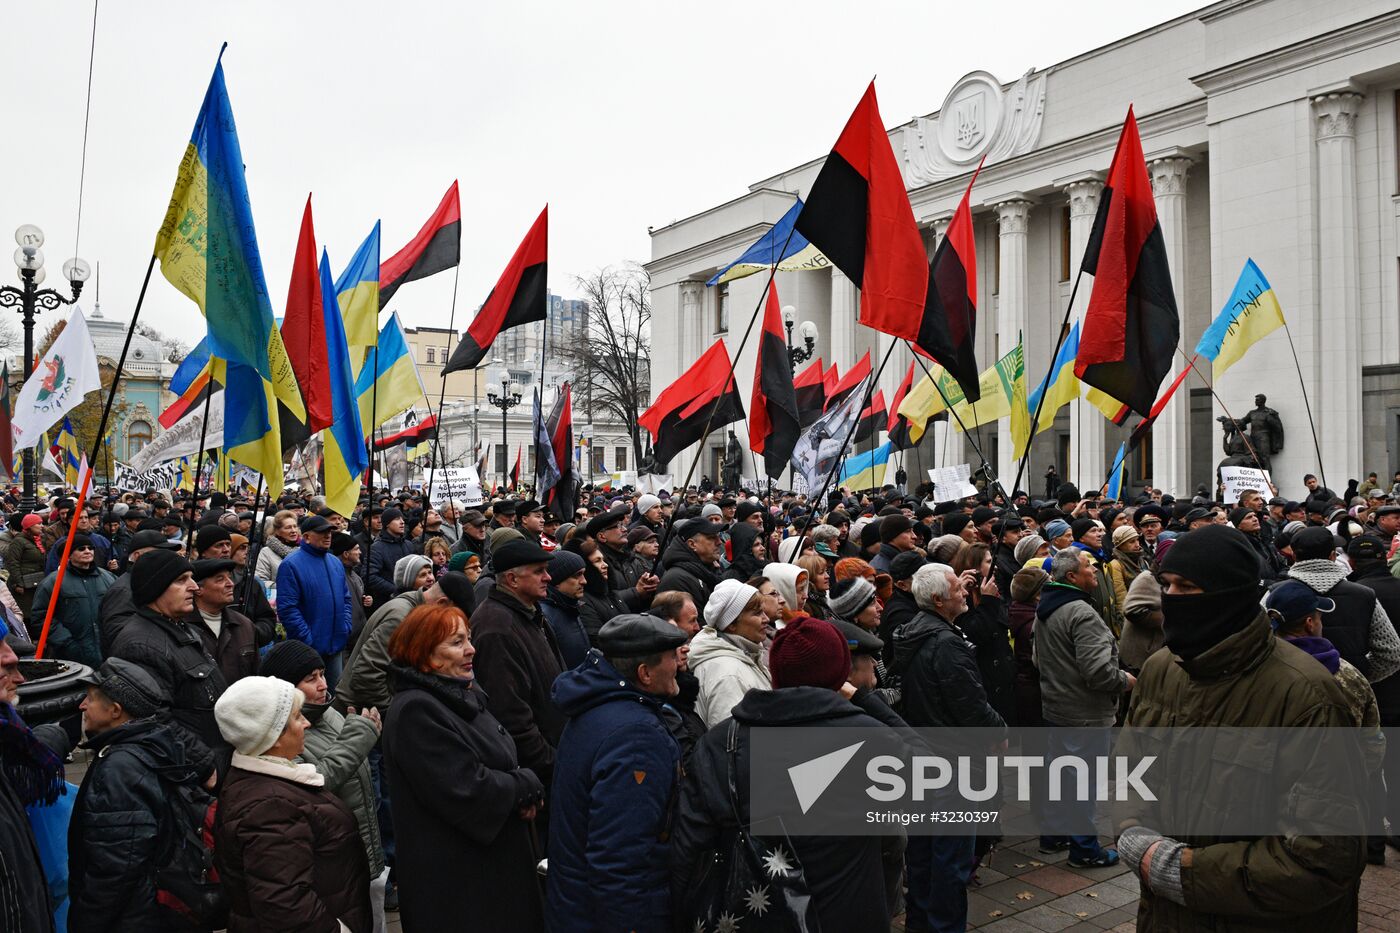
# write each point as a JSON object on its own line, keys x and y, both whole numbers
{"x": 1224, "y": 667}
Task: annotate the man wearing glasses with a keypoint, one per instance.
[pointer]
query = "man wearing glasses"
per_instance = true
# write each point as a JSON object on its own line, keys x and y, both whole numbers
{"x": 1149, "y": 521}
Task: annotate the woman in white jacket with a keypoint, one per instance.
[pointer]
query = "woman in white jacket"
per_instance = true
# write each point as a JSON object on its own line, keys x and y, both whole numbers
{"x": 727, "y": 656}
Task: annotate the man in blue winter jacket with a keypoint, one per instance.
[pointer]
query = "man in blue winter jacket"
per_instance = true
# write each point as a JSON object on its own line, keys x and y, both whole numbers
{"x": 614, "y": 776}
{"x": 313, "y": 598}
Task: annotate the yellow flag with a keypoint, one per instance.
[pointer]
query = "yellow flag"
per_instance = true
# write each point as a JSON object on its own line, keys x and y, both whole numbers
{"x": 995, "y": 385}
{"x": 924, "y": 401}
{"x": 1020, "y": 413}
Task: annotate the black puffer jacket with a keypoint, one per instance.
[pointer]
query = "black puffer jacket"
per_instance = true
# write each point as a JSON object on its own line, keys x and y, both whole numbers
{"x": 121, "y": 827}
{"x": 941, "y": 680}
{"x": 742, "y": 564}
{"x": 562, "y": 614}
{"x": 174, "y": 654}
{"x": 682, "y": 571}
{"x": 845, "y": 874}
{"x": 899, "y": 609}
{"x": 620, "y": 579}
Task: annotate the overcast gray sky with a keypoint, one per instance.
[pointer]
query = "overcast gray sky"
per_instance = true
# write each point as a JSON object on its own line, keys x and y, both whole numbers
{"x": 619, "y": 115}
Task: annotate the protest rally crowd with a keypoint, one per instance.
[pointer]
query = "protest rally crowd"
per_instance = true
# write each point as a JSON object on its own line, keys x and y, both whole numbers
{"x": 415, "y": 707}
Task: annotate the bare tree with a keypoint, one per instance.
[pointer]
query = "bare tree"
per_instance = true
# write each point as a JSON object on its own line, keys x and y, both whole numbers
{"x": 173, "y": 349}
{"x": 611, "y": 361}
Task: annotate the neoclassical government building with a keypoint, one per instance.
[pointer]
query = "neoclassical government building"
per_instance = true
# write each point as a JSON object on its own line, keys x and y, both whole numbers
{"x": 1270, "y": 129}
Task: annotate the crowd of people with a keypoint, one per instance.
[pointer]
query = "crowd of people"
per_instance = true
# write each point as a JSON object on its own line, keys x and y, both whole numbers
{"x": 499, "y": 718}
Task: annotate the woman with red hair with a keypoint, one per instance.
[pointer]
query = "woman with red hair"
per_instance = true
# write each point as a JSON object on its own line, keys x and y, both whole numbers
{"x": 462, "y": 805}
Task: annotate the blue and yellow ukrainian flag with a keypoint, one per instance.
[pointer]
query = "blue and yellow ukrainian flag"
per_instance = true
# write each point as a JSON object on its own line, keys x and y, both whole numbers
{"x": 70, "y": 456}
{"x": 1117, "y": 474}
{"x": 345, "y": 456}
{"x": 357, "y": 296}
{"x": 208, "y": 249}
{"x": 866, "y": 470}
{"x": 1061, "y": 385}
{"x": 799, "y": 254}
{"x": 399, "y": 386}
{"x": 1251, "y": 313}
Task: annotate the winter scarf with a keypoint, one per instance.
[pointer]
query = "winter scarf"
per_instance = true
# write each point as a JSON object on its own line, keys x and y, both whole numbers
{"x": 1132, "y": 563}
{"x": 280, "y": 547}
{"x": 32, "y": 769}
{"x": 1319, "y": 648}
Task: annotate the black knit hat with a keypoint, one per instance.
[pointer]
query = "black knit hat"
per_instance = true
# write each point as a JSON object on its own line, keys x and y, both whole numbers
{"x": 153, "y": 574}
{"x": 1215, "y": 558}
{"x": 208, "y": 536}
{"x": 341, "y": 542}
{"x": 870, "y": 533}
{"x": 457, "y": 586}
{"x": 290, "y": 660}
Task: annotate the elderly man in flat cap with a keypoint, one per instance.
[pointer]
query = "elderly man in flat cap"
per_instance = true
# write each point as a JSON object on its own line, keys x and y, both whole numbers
{"x": 613, "y": 781}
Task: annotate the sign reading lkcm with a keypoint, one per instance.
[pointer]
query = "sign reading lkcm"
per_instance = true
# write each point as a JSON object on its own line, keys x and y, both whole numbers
{"x": 1240, "y": 480}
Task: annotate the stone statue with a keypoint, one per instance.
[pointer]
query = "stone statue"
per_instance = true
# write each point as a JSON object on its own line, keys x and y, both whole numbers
{"x": 1234, "y": 444}
{"x": 1265, "y": 431}
{"x": 733, "y": 456}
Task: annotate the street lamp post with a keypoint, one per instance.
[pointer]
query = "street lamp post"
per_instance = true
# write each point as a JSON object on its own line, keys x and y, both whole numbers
{"x": 808, "y": 330}
{"x": 508, "y": 398}
{"x": 27, "y": 298}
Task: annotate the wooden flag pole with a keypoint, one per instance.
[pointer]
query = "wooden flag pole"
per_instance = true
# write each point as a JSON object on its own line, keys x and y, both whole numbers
{"x": 96, "y": 447}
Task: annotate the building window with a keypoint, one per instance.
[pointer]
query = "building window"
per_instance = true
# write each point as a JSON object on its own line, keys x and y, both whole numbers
{"x": 443, "y": 356}
{"x": 598, "y": 466}
{"x": 1397, "y": 142}
{"x": 1142, "y": 474}
{"x": 1064, "y": 244}
{"x": 138, "y": 435}
{"x": 620, "y": 457}
{"x": 501, "y": 458}
{"x": 722, "y": 309}
{"x": 430, "y": 356}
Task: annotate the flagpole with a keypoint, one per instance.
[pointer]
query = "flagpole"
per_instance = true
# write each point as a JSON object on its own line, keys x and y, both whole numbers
{"x": 539, "y": 412}
{"x": 254, "y": 534}
{"x": 1054, "y": 355}
{"x": 973, "y": 440}
{"x": 836, "y": 465}
{"x": 442, "y": 392}
{"x": 1317, "y": 448}
{"x": 1243, "y": 436}
{"x": 733, "y": 361}
{"x": 96, "y": 448}
{"x": 373, "y": 404}
{"x": 199, "y": 458}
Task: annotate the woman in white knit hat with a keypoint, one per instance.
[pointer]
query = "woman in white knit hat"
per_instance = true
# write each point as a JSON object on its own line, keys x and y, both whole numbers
{"x": 727, "y": 656}
{"x": 288, "y": 851}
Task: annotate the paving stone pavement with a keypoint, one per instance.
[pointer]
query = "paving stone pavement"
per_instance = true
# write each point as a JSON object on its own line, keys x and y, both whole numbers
{"x": 1019, "y": 890}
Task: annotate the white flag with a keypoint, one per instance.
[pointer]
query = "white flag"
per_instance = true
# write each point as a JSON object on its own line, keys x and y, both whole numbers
{"x": 66, "y": 374}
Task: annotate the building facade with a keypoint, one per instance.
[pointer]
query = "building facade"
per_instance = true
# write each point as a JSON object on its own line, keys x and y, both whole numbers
{"x": 1270, "y": 132}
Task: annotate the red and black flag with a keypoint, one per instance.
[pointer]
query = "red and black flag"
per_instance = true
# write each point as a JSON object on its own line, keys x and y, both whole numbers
{"x": 520, "y": 296}
{"x": 304, "y": 329}
{"x": 437, "y": 247}
{"x": 705, "y": 397}
{"x": 810, "y": 390}
{"x": 858, "y": 215}
{"x": 949, "y": 321}
{"x": 411, "y": 434}
{"x": 7, "y": 438}
{"x": 873, "y": 419}
{"x": 563, "y": 497}
{"x": 515, "y": 471}
{"x": 849, "y": 382}
{"x": 898, "y": 425}
{"x": 1131, "y": 328}
{"x": 830, "y": 380}
{"x": 774, "y": 423}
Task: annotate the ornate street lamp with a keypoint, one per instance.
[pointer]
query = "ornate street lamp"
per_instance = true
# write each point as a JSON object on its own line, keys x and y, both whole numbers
{"x": 505, "y": 400}
{"x": 27, "y": 298}
{"x": 802, "y": 354}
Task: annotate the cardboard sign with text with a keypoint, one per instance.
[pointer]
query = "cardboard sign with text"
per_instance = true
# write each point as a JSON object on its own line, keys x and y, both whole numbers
{"x": 1240, "y": 480}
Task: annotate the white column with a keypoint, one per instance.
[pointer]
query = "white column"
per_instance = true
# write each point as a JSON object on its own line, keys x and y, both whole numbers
{"x": 695, "y": 333}
{"x": 845, "y": 312}
{"x": 1337, "y": 323}
{"x": 1013, "y": 222}
{"x": 1088, "y": 458}
{"x": 1171, "y": 455}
